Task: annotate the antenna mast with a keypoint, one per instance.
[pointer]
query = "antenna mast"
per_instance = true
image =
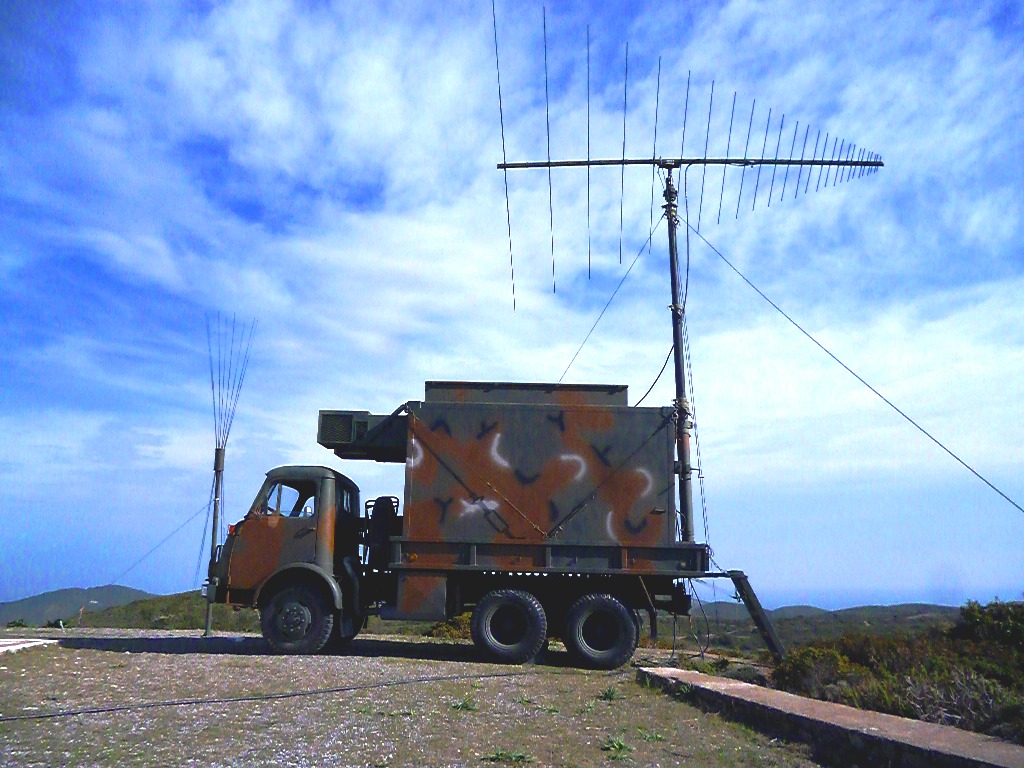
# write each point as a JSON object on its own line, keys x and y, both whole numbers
{"x": 684, "y": 416}
{"x": 225, "y": 388}
{"x": 684, "y": 413}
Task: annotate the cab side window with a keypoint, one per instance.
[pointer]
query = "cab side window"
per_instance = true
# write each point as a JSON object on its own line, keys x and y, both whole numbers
{"x": 291, "y": 499}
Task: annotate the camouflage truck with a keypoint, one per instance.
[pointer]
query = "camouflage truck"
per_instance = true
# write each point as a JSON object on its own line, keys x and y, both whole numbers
{"x": 547, "y": 510}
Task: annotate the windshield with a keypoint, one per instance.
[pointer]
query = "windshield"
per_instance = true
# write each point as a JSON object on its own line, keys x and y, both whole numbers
{"x": 289, "y": 498}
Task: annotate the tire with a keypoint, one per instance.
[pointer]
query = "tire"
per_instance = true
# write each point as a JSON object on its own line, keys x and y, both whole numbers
{"x": 601, "y": 632}
{"x": 509, "y": 626}
{"x": 297, "y": 619}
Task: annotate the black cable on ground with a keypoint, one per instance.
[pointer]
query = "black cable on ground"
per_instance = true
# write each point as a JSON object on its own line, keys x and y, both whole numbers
{"x": 255, "y": 697}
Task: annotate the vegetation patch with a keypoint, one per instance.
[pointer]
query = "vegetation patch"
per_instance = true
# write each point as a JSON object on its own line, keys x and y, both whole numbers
{"x": 616, "y": 748}
{"x": 970, "y": 675}
{"x": 185, "y": 610}
{"x": 465, "y": 705}
{"x": 455, "y": 628}
{"x": 611, "y": 693}
{"x": 507, "y": 756}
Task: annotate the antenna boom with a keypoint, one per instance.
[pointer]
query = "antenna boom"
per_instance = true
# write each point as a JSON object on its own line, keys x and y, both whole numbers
{"x": 679, "y": 162}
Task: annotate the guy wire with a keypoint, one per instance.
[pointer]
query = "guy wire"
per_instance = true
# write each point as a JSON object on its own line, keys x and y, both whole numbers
{"x": 610, "y": 299}
{"x": 203, "y": 540}
{"x": 159, "y": 544}
{"x": 858, "y": 377}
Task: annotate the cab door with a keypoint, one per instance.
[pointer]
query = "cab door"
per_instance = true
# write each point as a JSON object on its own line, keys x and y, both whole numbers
{"x": 280, "y": 529}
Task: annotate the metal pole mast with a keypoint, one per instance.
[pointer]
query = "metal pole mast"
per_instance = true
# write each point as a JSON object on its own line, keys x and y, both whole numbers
{"x": 682, "y": 405}
{"x": 218, "y": 479}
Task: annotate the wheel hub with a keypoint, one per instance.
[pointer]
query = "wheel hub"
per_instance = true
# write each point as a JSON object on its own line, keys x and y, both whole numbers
{"x": 293, "y": 621}
{"x": 508, "y": 625}
{"x": 600, "y": 631}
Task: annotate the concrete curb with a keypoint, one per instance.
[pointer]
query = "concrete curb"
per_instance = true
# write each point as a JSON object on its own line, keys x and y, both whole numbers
{"x": 20, "y": 644}
{"x": 840, "y": 735}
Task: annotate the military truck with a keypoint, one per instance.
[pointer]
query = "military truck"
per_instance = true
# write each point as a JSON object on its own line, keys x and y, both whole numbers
{"x": 547, "y": 510}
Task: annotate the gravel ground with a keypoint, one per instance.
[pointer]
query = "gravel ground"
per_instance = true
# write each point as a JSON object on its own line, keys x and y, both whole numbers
{"x": 387, "y": 702}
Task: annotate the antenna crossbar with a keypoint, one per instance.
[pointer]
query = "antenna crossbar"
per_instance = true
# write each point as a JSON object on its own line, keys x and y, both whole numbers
{"x": 679, "y": 162}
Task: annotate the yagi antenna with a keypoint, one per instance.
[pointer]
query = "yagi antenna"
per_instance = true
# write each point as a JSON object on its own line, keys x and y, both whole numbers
{"x": 840, "y": 163}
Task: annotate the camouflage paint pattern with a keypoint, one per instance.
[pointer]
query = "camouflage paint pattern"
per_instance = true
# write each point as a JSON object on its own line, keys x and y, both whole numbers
{"x": 518, "y": 474}
{"x": 263, "y": 543}
{"x": 498, "y": 478}
{"x": 573, "y": 481}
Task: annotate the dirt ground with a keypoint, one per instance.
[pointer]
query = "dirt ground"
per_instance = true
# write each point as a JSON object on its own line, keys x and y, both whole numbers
{"x": 173, "y": 698}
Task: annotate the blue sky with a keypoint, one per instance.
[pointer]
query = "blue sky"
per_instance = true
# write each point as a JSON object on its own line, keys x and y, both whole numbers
{"x": 332, "y": 173}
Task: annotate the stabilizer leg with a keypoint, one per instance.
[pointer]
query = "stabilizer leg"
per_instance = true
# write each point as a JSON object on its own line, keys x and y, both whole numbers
{"x": 757, "y": 613}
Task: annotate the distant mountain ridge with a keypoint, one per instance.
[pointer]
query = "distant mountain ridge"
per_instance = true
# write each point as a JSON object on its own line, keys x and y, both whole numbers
{"x": 732, "y": 611}
{"x": 66, "y": 603}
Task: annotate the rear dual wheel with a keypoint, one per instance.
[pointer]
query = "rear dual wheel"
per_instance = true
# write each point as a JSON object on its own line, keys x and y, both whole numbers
{"x": 601, "y": 632}
{"x": 509, "y": 625}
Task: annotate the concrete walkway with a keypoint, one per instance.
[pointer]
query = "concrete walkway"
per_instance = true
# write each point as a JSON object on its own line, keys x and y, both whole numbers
{"x": 840, "y": 735}
{"x": 19, "y": 644}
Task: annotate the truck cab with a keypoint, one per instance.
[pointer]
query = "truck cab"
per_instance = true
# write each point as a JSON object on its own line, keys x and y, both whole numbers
{"x": 295, "y": 557}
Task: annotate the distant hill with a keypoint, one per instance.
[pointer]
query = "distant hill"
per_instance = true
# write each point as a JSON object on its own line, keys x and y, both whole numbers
{"x": 65, "y": 603}
{"x": 728, "y": 625}
{"x": 723, "y": 610}
{"x": 797, "y": 612}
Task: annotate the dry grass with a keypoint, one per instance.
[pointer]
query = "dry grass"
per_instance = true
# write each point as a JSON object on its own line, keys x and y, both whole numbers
{"x": 546, "y": 714}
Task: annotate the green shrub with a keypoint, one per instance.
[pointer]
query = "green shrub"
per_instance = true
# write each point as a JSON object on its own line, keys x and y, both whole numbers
{"x": 810, "y": 670}
{"x": 997, "y": 622}
{"x": 610, "y": 693}
{"x": 970, "y": 675}
{"x": 962, "y": 698}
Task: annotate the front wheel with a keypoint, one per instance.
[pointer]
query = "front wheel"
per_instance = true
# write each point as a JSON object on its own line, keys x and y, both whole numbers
{"x": 601, "y": 632}
{"x": 509, "y": 625}
{"x": 297, "y": 619}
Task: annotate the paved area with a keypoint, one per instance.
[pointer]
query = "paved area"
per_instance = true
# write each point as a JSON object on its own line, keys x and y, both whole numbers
{"x": 18, "y": 644}
{"x": 872, "y": 737}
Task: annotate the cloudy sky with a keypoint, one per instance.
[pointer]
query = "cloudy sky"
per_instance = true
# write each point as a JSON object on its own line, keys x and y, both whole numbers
{"x": 331, "y": 173}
